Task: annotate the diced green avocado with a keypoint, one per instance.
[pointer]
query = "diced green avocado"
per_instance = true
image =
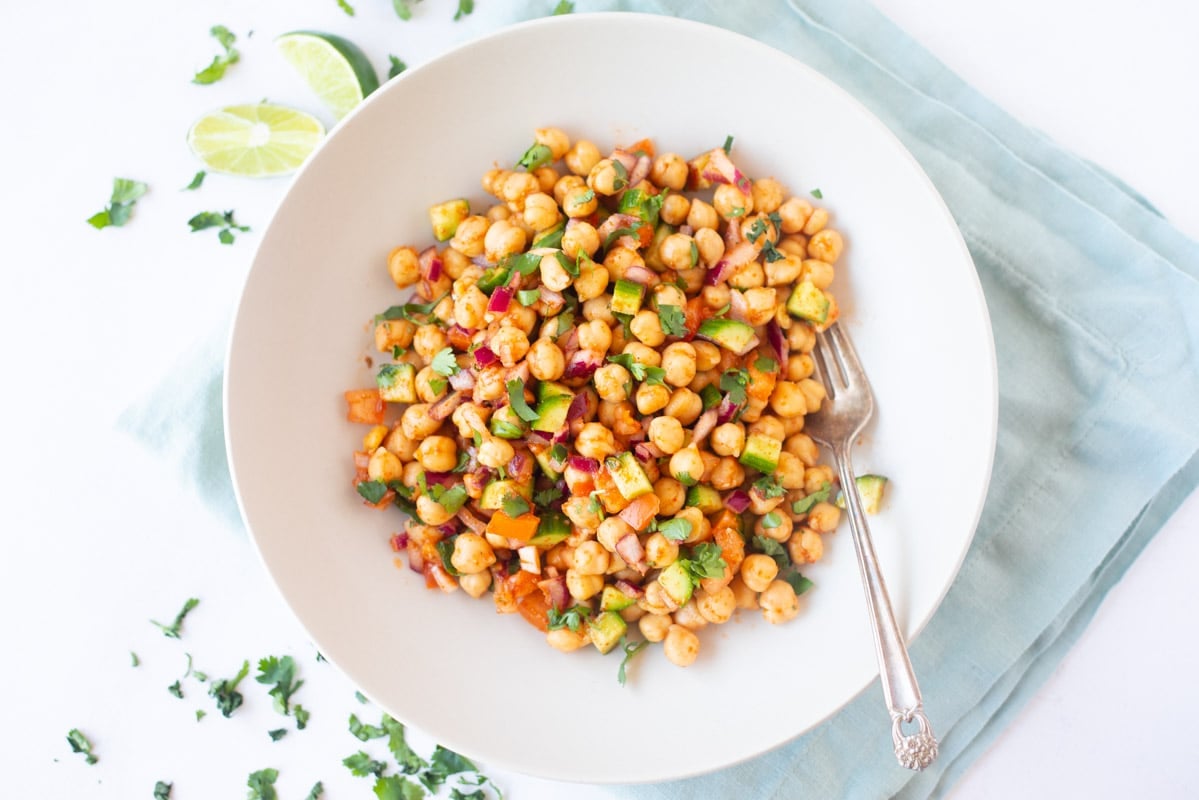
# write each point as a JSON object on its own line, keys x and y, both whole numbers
{"x": 870, "y": 488}
{"x": 615, "y": 600}
{"x": 551, "y": 414}
{"x": 761, "y": 453}
{"x": 553, "y": 528}
{"x": 808, "y": 303}
{"x": 630, "y": 479}
{"x": 676, "y": 582}
{"x": 495, "y": 493}
{"x": 542, "y": 454}
{"x": 403, "y": 384}
{"x": 446, "y": 216}
{"x": 705, "y": 498}
{"x": 506, "y": 424}
{"x": 548, "y": 389}
{"x": 626, "y": 297}
{"x": 606, "y": 630}
{"x": 551, "y": 237}
{"x": 729, "y": 334}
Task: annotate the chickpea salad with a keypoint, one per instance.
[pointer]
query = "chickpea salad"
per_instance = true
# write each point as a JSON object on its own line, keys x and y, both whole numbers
{"x": 592, "y": 408}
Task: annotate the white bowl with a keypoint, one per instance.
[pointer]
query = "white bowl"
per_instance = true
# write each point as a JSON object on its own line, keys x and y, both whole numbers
{"x": 488, "y": 685}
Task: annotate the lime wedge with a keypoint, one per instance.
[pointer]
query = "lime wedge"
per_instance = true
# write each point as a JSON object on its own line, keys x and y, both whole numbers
{"x": 336, "y": 69}
{"x": 255, "y": 140}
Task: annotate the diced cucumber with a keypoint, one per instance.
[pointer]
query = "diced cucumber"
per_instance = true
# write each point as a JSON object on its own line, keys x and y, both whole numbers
{"x": 705, "y": 498}
{"x": 627, "y": 297}
{"x": 548, "y": 389}
{"x": 542, "y": 454}
{"x": 676, "y": 582}
{"x": 761, "y": 453}
{"x": 446, "y": 216}
{"x": 506, "y": 424}
{"x": 496, "y": 492}
{"x": 711, "y": 396}
{"x": 551, "y": 237}
{"x": 808, "y": 303}
{"x": 402, "y": 388}
{"x": 870, "y": 488}
{"x": 606, "y": 630}
{"x": 551, "y": 414}
{"x": 553, "y": 528}
{"x": 652, "y": 259}
{"x": 613, "y": 599}
{"x": 729, "y": 334}
{"x": 493, "y": 277}
{"x": 630, "y": 479}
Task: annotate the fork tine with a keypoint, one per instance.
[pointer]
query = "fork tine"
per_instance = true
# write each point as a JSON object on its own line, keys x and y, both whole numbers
{"x": 820, "y": 368}
{"x": 847, "y": 357}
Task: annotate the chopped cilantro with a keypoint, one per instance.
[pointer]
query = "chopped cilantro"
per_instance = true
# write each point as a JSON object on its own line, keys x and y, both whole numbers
{"x": 398, "y": 352}
{"x": 772, "y": 253}
{"x": 676, "y": 530}
{"x": 571, "y": 267}
{"x": 217, "y": 219}
{"x": 686, "y": 479}
{"x": 346, "y": 7}
{"x": 734, "y": 382}
{"x": 361, "y": 765}
{"x": 674, "y": 321}
{"x": 395, "y": 787}
{"x": 176, "y": 690}
{"x": 563, "y": 7}
{"x": 437, "y": 385}
{"x": 364, "y": 732}
{"x": 622, "y": 176}
{"x": 586, "y": 197}
{"x": 724, "y": 309}
{"x": 281, "y": 672}
{"x": 527, "y": 297}
{"x": 463, "y": 462}
{"x": 619, "y": 232}
{"x": 772, "y": 520}
{"x": 516, "y": 398}
{"x": 224, "y": 691}
{"x": 262, "y": 784}
{"x": 301, "y": 714}
{"x": 387, "y": 377}
{"x": 643, "y": 204}
{"x": 515, "y": 505}
{"x": 638, "y": 370}
{"x": 464, "y": 8}
{"x": 277, "y": 734}
{"x": 172, "y": 631}
{"x": 200, "y": 714}
{"x": 80, "y": 744}
{"x": 694, "y": 256}
{"x": 444, "y": 364}
{"x": 566, "y": 322}
{"x": 405, "y": 757}
{"x": 538, "y": 155}
{"x": 445, "y": 549}
{"x": 767, "y": 546}
{"x": 764, "y": 364}
{"x": 397, "y": 66}
{"x": 559, "y": 454}
{"x": 728, "y": 144}
{"x": 593, "y": 504}
{"x": 756, "y": 230}
{"x": 768, "y": 487}
{"x": 451, "y": 499}
{"x": 162, "y": 790}
{"x": 798, "y": 582}
{"x": 360, "y": 697}
{"x": 197, "y": 180}
{"x": 402, "y": 9}
{"x": 819, "y": 496}
{"x": 458, "y": 794}
{"x": 705, "y": 561}
{"x": 125, "y": 194}
{"x": 546, "y": 497}
{"x": 133, "y": 657}
{"x": 819, "y": 195}
{"x": 316, "y": 791}
{"x": 216, "y": 70}
{"x": 570, "y": 618}
{"x": 630, "y": 649}
{"x": 372, "y": 491}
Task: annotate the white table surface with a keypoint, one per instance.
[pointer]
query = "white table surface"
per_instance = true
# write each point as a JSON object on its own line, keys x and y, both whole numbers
{"x": 99, "y": 536}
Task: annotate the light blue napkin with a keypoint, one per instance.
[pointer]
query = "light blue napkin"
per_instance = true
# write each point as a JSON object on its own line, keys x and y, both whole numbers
{"x": 1094, "y": 300}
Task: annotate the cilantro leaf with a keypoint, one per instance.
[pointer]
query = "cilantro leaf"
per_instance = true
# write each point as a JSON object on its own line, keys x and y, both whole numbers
{"x": 706, "y": 561}
{"x": 527, "y": 297}
{"x": 316, "y": 791}
{"x": 172, "y": 631}
{"x": 764, "y": 364}
{"x": 798, "y": 582}
{"x": 563, "y": 7}
{"x": 200, "y": 714}
{"x": 676, "y": 530}
{"x": 224, "y": 691}
{"x": 515, "y": 505}
{"x": 546, "y": 497}
{"x": 516, "y": 398}
{"x": 262, "y": 784}
{"x": 447, "y": 762}
{"x": 363, "y": 732}
{"x": 445, "y": 549}
{"x": 361, "y": 765}
{"x": 387, "y": 376}
{"x": 216, "y": 70}
{"x": 694, "y": 256}
{"x": 133, "y": 657}
{"x": 196, "y": 181}
{"x": 768, "y": 487}
{"x": 738, "y": 211}
{"x": 464, "y": 8}
{"x": 734, "y": 382}
{"x": 586, "y": 197}
{"x": 301, "y": 714}
{"x": 769, "y": 547}
{"x": 176, "y": 690}
{"x": 756, "y": 230}
{"x": 569, "y": 618}
{"x": 80, "y": 744}
{"x": 559, "y": 454}
{"x": 277, "y": 734}
{"x": 413, "y": 312}
{"x": 619, "y": 232}
{"x": 346, "y": 7}
{"x": 162, "y": 790}
{"x": 217, "y": 219}
{"x": 125, "y": 194}
{"x": 630, "y": 649}
{"x": 451, "y": 499}
{"x": 405, "y": 757}
{"x": 282, "y": 673}
{"x": 437, "y": 385}
{"x": 372, "y": 491}
{"x": 444, "y": 364}
{"x": 674, "y": 321}
{"x": 402, "y": 9}
{"x": 394, "y": 787}
{"x": 639, "y": 371}
{"x": 458, "y": 794}
{"x": 397, "y": 66}
{"x": 538, "y": 155}
{"x": 819, "y": 195}
{"x": 728, "y": 144}
{"x": 686, "y": 479}
{"x": 821, "y": 495}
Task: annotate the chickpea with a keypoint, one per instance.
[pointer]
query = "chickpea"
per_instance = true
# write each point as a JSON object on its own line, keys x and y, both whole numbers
{"x": 620, "y": 258}
{"x": 674, "y": 209}
{"x": 789, "y": 472}
{"x": 393, "y": 333}
{"x": 802, "y": 447}
{"x": 824, "y": 518}
{"x": 498, "y": 212}
{"x": 671, "y": 495}
{"x": 730, "y": 203}
{"x": 826, "y": 246}
{"x": 612, "y": 382}
{"x": 728, "y": 474}
{"x": 767, "y": 426}
{"x": 758, "y": 570}
{"x": 794, "y": 214}
{"x": 679, "y": 251}
{"x": 728, "y": 439}
{"x": 716, "y": 296}
{"x": 800, "y": 366}
{"x": 667, "y": 434}
{"x": 780, "y": 532}
{"x": 383, "y": 466}
{"x": 492, "y": 179}
{"x": 547, "y": 179}
{"x": 591, "y": 558}
{"x": 818, "y": 273}
{"x": 502, "y": 239}
{"x": 687, "y": 466}
{"x": 778, "y": 602}
{"x": 424, "y": 388}
{"x": 710, "y": 244}
{"x": 510, "y": 344}
{"x": 643, "y": 354}
{"x": 475, "y": 584}
{"x": 592, "y": 280}
{"x": 748, "y": 276}
{"x": 546, "y": 362}
{"x": 814, "y": 478}
{"x": 611, "y": 531}
{"x": 403, "y": 265}
{"x": 716, "y": 607}
{"x": 787, "y": 400}
{"x": 605, "y": 177}
{"x": 516, "y": 187}
{"x": 666, "y": 294}
{"x": 495, "y": 452}
{"x": 660, "y": 552}
{"x": 813, "y": 393}
{"x": 669, "y": 170}
{"x": 582, "y": 158}
{"x": 472, "y": 554}
{"x": 470, "y": 417}
{"x": 428, "y": 341}
{"x": 565, "y": 184}
{"x": 470, "y": 308}
{"x": 768, "y": 195}
{"x": 565, "y": 640}
{"x": 685, "y": 406}
{"x": 469, "y": 237}
{"x": 707, "y": 355}
{"x": 583, "y": 587}
{"x": 438, "y": 454}
{"x": 541, "y": 211}
{"x": 805, "y": 547}
{"x": 817, "y": 222}
{"x": 431, "y": 512}
{"x": 599, "y": 308}
{"x": 553, "y": 275}
{"x": 646, "y": 327}
{"x": 681, "y": 646}
{"x": 595, "y": 441}
{"x": 744, "y": 597}
{"x": 553, "y": 138}
{"x": 784, "y": 271}
{"x": 579, "y": 202}
{"x": 761, "y": 304}
{"x": 654, "y": 626}
{"x": 445, "y": 306}
{"x": 489, "y": 384}
{"x": 702, "y": 215}
{"x": 678, "y": 360}
{"x": 416, "y": 422}
{"x": 651, "y": 397}
{"x": 689, "y": 617}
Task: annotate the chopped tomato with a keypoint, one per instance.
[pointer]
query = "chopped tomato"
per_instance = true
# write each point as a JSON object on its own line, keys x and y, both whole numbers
{"x": 522, "y": 528}
{"x": 761, "y": 384}
{"x": 732, "y": 547}
{"x": 365, "y": 405}
{"x": 694, "y": 313}
{"x": 458, "y": 337}
{"x": 361, "y": 461}
{"x": 535, "y": 609}
{"x": 644, "y": 145}
{"x": 645, "y": 235}
{"x": 611, "y": 498}
{"x": 639, "y": 512}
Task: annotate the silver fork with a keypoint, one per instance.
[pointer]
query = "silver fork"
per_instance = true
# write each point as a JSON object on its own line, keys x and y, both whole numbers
{"x": 843, "y": 415}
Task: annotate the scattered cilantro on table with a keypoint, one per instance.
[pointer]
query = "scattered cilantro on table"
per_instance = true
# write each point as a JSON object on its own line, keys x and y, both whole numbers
{"x": 262, "y": 784}
{"x": 464, "y": 7}
{"x": 316, "y": 791}
{"x": 397, "y": 66}
{"x": 346, "y": 7}
{"x": 173, "y": 630}
{"x": 216, "y": 70}
{"x": 162, "y": 790}
{"x": 224, "y": 691}
{"x": 125, "y": 194}
{"x": 361, "y": 765}
{"x": 197, "y": 181}
{"x": 80, "y": 744}
{"x": 223, "y": 220}
{"x": 630, "y": 649}
{"x": 563, "y": 7}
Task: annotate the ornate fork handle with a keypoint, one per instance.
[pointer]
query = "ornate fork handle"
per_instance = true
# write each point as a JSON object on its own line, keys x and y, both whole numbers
{"x": 917, "y": 750}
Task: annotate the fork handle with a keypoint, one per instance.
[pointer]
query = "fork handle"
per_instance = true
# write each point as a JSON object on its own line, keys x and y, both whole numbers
{"x": 902, "y": 693}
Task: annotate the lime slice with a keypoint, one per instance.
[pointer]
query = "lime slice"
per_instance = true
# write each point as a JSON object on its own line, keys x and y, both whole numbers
{"x": 255, "y": 140}
{"x": 334, "y": 68}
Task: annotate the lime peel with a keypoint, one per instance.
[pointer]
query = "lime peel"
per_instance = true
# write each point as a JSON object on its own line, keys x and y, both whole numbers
{"x": 334, "y": 68}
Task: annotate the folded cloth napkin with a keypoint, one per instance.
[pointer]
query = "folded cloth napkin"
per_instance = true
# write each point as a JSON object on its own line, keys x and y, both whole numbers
{"x": 1094, "y": 300}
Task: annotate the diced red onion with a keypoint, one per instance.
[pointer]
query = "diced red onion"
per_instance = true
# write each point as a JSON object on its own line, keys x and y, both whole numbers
{"x": 629, "y": 548}
{"x": 737, "y": 501}
{"x": 463, "y": 380}
{"x": 640, "y": 170}
{"x": 430, "y": 264}
{"x": 551, "y": 302}
{"x": 627, "y": 159}
{"x": 742, "y": 253}
{"x": 416, "y": 561}
{"x": 570, "y": 344}
{"x": 556, "y": 591}
{"x": 738, "y": 307}
{"x": 704, "y": 425}
{"x": 629, "y": 588}
{"x": 647, "y": 451}
{"x": 471, "y": 521}
{"x": 518, "y": 462}
{"x": 501, "y": 297}
{"x": 726, "y": 410}
{"x": 446, "y": 405}
{"x": 447, "y": 529}
{"x": 578, "y": 406}
{"x": 481, "y": 261}
{"x": 641, "y": 275}
{"x": 778, "y": 343}
{"x": 485, "y": 356}
{"x": 441, "y": 478}
{"x": 583, "y": 464}
{"x": 582, "y": 364}
{"x": 720, "y": 169}
{"x": 732, "y": 234}
{"x": 399, "y": 541}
